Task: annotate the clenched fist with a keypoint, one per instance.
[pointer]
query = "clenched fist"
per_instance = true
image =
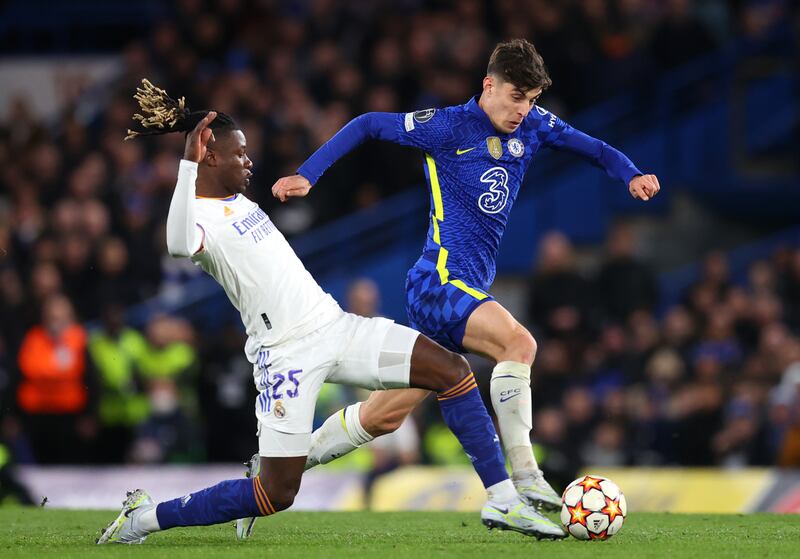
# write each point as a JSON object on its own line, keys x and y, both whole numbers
{"x": 287, "y": 187}
{"x": 644, "y": 187}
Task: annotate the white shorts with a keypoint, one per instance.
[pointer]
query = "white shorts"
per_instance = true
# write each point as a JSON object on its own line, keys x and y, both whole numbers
{"x": 372, "y": 353}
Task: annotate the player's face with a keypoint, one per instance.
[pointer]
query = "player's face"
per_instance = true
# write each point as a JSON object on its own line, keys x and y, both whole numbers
{"x": 505, "y": 104}
{"x": 232, "y": 163}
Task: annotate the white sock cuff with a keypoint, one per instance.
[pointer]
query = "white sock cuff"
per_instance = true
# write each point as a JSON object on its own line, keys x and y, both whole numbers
{"x": 502, "y": 492}
{"x": 514, "y": 369}
{"x": 355, "y": 431}
{"x": 148, "y": 520}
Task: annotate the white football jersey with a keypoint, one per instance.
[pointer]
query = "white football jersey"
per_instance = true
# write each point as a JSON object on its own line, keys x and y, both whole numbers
{"x": 263, "y": 277}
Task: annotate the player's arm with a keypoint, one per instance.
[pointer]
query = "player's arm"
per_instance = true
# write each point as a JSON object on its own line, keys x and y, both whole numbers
{"x": 184, "y": 235}
{"x": 615, "y": 163}
{"x": 407, "y": 129}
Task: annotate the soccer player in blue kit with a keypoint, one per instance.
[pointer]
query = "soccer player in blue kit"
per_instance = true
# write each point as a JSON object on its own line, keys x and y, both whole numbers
{"x": 476, "y": 156}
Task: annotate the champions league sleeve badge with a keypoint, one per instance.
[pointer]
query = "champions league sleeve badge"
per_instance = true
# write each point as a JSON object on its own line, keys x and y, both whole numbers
{"x": 424, "y": 116}
{"x": 516, "y": 147}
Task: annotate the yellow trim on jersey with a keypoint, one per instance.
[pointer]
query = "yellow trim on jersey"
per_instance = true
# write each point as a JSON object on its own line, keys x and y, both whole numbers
{"x": 471, "y": 290}
{"x": 436, "y": 237}
{"x": 441, "y": 265}
{"x": 436, "y": 218}
{"x": 438, "y": 209}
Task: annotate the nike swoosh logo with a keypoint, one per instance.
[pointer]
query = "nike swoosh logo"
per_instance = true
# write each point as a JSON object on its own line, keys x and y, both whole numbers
{"x": 503, "y": 510}
{"x": 463, "y": 151}
{"x": 507, "y": 398}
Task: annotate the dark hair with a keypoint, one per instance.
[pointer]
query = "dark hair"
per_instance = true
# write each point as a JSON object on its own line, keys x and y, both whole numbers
{"x": 162, "y": 114}
{"x": 516, "y": 61}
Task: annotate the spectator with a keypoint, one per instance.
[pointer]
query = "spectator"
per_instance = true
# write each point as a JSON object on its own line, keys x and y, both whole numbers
{"x": 652, "y": 420}
{"x": 607, "y": 446}
{"x": 554, "y": 451}
{"x": 696, "y": 411}
{"x": 226, "y": 395}
{"x": 116, "y": 351}
{"x": 56, "y": 388}
{"x": 363, "y": 298}
{"x": 168, "y": 434}
{"x": 624, "y": 283}
{"x": 559, "y": 295}
{"x": 743, "y": 439}
{"x": 169, "y": 356}
{"x": 168, "y": 367}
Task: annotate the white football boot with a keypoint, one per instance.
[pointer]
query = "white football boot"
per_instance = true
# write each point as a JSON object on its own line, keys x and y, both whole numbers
{"x": 244, "y": 526}
{"x": 125, "y": 528}
{"x": 535, "y": 491}
{"x": 520, "y": 517}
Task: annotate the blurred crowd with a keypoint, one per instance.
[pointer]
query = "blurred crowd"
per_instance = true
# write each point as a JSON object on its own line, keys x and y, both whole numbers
{"x": 619, "y": 380}
{"x": 82, "y": 236}
{"x": 713, "y": 380}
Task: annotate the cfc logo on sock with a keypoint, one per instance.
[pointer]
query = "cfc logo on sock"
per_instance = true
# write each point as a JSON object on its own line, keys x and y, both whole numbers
{"x": 506, "y": 395}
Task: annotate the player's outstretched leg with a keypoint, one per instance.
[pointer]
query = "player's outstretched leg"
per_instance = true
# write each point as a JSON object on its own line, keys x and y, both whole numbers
{"x": 493, "y": 332}
{"x": 270, "y": 492}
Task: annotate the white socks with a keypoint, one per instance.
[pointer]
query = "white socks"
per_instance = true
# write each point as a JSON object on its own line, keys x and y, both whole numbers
{"x": 502, "y": 492}
{"x": 340, "y": 434}
{"x": 511, "y": 400}
{"x": 148, "y": 521}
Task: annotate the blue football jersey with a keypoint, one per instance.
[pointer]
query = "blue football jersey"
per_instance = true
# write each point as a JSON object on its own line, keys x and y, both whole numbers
{"x": 474, "y": 174}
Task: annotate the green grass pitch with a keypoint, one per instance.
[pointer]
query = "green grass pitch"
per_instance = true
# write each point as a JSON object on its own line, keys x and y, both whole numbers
{"x": 42, "y": 533}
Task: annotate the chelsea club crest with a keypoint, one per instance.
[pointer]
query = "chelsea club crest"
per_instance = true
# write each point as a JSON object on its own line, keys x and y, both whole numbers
{"x": 516, "y": 147}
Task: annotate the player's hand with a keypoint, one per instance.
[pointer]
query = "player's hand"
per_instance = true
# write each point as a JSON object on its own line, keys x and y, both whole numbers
{"x": 287, "y": 187}
{"x": 644, "y": 187}
{"x": 197, "y": 140}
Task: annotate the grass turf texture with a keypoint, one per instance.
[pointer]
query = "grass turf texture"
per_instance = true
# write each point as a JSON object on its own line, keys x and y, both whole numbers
{"x": 38, "y": 533}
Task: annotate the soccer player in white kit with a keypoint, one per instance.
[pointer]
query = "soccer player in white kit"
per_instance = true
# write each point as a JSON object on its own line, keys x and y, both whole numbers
{"x": 298, "y": 338}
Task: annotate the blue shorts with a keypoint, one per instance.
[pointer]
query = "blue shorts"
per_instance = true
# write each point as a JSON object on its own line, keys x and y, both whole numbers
{"x": 440, "y": 311}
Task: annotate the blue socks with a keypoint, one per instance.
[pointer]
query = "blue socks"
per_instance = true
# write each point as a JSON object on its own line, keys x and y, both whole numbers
{"x": 466, "y": 416}
{"x": 228, "y": 500}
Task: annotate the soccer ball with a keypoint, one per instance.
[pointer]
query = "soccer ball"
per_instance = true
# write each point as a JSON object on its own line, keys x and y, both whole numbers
{"x": 593, "y": 508}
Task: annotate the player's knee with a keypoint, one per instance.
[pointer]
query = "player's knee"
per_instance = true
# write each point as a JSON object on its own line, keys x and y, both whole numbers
{"x": 281, "y": 493}
{"x": 283, "y": 498}
{"x": 522, "y": 346}
{"x": 457, "y": 369}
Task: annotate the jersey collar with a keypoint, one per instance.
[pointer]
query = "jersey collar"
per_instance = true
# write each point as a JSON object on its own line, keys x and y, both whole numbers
{"x": 228, "y": 199}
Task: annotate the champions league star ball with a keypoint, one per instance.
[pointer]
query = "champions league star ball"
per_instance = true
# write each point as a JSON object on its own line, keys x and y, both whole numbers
{"x": 593, "y": 508}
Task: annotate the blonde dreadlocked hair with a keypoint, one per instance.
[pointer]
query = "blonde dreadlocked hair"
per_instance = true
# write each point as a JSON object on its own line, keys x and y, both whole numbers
{"x": 161, "y": 114}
